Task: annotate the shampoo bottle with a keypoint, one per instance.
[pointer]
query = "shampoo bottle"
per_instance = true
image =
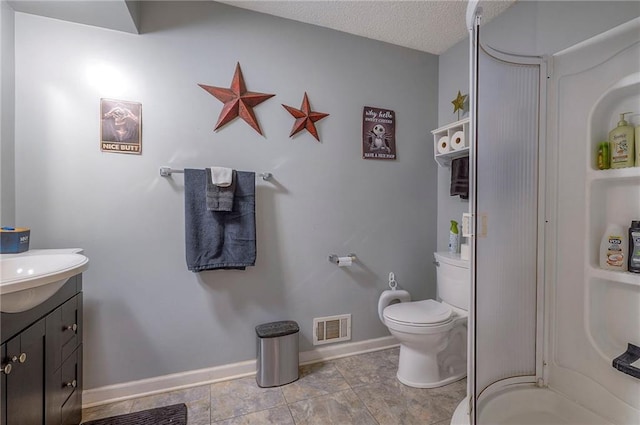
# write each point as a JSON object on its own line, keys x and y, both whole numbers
{"x": 634, "y": 247}
{"x": 454, "y": 238}
{"x": 613, "y": 249}
{"x": 621, "y": 144}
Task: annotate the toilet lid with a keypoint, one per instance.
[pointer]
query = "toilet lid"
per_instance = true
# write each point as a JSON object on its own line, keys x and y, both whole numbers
{"x": 427, "y": 312}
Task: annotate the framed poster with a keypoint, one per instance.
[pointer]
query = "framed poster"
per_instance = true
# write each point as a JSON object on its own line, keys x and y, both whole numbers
{"x": 120, "y": 126}
{"x": 378, "y": 133}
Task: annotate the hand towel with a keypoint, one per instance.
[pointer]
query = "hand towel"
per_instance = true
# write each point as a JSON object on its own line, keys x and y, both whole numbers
{"x": 219, "y": 239}
{"x": 221, "y": 176}
{"x": 460, "y": 177}
{"x": 220, "y": 198}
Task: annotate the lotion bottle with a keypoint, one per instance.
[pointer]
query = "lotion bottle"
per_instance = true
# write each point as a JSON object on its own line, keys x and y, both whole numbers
{"x": 613, "y": 249}
{"x": 621, "y": 144}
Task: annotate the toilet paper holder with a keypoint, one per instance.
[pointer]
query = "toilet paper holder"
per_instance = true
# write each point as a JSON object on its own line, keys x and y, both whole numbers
{"x": 333, "y": 258}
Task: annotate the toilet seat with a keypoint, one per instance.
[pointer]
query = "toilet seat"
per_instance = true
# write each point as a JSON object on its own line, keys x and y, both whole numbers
{"x": 422, "y": 314}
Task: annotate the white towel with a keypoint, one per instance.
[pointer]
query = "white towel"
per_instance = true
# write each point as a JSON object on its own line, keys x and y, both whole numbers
{"x": 221, "y": 176}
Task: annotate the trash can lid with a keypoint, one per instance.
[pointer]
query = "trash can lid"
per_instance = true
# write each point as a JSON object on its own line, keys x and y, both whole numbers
{"x": 275, "y": 329}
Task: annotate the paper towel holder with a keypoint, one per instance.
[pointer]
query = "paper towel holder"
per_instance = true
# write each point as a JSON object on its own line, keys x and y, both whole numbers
{"x": 333, "y": 258}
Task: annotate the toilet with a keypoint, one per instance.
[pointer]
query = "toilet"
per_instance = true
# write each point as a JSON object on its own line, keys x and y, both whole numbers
{"x": 432, "y": 333}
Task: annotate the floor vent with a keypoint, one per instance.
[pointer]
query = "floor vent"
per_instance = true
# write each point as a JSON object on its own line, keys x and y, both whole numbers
{"x": 331, "y": 329}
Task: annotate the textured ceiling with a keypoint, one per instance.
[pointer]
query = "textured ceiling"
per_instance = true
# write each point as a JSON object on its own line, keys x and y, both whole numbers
{"x": 428, "y": 25}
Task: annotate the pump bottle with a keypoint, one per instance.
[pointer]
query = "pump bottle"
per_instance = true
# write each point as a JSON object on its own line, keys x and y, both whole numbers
{"x": 621, "y": 144}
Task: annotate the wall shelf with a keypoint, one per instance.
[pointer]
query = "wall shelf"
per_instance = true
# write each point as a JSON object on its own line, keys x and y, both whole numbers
{"x": 612, "y": 195}
{"x": 444, "y": 159}
{"x": 611, "y": 198}
{"x": 614, "y": 276}
{"x": 615, "y": 174}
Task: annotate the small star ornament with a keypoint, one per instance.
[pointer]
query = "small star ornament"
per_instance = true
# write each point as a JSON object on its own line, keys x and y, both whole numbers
{"x": 305, "y": 118}
{"x": 458, "y": 103}
{"x": 238, "y": 102}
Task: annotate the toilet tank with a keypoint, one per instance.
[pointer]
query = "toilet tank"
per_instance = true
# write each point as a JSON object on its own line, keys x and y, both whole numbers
{"x": 453, "y": 279}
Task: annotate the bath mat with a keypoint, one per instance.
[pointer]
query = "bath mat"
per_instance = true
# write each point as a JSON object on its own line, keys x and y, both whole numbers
{"x": 169, "y": 415}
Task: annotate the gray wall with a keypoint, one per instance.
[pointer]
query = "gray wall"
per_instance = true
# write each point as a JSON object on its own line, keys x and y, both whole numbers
{"x": 526, "y": 28}
{"x": 145, "y": 314}
{"x": 7, "y": 96}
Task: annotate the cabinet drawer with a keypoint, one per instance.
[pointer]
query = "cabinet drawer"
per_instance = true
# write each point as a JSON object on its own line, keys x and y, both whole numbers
{"x": 64, "y": 394}
{"x": 72, "y": 410}
{"x": 69, "y": 377}
{"x": 64, "y": 332}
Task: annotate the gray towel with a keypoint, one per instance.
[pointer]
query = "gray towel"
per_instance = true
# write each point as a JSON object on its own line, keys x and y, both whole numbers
{"x": 219, "y": 239}
{"x": 220, "y": 198}
{"x": 460, "y": 177}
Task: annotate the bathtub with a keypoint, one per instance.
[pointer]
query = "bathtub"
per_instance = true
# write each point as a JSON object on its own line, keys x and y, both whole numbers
{"x": 528, "y": 406}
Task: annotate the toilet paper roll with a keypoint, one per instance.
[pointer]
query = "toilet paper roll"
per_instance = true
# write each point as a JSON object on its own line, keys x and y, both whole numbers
{"x": 344, "y": 261}
{"x": 457, "y": 141}
{"x": 443, "y": 144}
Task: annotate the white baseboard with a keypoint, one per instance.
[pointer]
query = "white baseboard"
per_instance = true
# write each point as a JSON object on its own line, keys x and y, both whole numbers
{"x": 193, "y": 378}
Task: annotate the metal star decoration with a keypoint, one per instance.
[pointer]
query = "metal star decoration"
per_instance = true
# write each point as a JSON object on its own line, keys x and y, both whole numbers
{"x": 305, "y": 118}
{"x": 458, "y": 103}
{"x": 238, "y": 102}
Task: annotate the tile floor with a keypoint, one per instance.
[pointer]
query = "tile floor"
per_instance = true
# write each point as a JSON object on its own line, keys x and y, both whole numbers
{"x": 361, "y": 389}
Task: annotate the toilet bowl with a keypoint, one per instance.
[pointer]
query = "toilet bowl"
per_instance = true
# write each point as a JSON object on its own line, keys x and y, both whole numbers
{"x": 432, "y": 334}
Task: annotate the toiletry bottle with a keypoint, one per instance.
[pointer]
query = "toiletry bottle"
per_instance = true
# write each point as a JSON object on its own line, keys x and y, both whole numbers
{"x": 634, "y": 247}
{"x": 637, "y": 136}
{"x": 454, "y": 238}
{"x": 613, "y": 249}
{"x": 603, "y": 156}
{"x": 621, "y": 144}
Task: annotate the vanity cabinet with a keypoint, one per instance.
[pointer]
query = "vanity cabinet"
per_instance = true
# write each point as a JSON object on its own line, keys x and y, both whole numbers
{"x": 23, "y": 372}
{"x": 63, "y": 363}
{"x": 41, "y": 360}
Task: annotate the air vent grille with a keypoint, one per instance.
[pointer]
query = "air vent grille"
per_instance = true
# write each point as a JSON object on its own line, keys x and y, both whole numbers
{"x": 331, "y": 329}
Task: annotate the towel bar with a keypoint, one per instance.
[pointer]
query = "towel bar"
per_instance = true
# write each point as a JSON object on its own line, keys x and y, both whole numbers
{"x": 167, "y": 171}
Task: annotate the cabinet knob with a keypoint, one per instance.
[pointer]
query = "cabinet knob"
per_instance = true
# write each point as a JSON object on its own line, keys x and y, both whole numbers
{"x": 71, "y": 384}
{"x": 6, "y": 369}
{"x": 73, "y": 327}
{"x": 21, "y": 358}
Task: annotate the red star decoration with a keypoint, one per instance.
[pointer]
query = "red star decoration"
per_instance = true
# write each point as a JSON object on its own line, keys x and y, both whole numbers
{"x": 305, "y": 118}
{"x": 238, "y": 102}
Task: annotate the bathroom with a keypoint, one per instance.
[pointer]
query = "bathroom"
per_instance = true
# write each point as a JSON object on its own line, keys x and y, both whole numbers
{"x": 147, "y": 318}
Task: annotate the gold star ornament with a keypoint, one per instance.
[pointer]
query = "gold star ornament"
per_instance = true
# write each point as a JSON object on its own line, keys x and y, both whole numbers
{"x": 305, "y": 118}
{"x": 238, "y": 102}
{"x": 458, "y": 103}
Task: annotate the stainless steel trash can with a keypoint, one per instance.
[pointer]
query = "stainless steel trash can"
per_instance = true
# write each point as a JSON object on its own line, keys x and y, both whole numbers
{"x": 277, "y": 356}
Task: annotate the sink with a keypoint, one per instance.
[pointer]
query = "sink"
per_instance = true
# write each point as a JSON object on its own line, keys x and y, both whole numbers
{"x": 28, "y": 280}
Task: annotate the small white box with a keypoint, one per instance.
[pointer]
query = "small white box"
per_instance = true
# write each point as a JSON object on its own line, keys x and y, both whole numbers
{"x": 465, "y": 251}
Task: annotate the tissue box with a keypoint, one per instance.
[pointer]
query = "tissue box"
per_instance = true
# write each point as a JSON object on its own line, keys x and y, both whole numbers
{"x": 14, "y": 240}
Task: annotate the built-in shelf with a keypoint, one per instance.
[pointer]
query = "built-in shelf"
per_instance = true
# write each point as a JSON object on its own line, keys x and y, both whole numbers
{"x": 614, "y": 276}
{"x": 615, "y": 174}
{"x": 611, "y": 197}
{"x": 449, "y": 130}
